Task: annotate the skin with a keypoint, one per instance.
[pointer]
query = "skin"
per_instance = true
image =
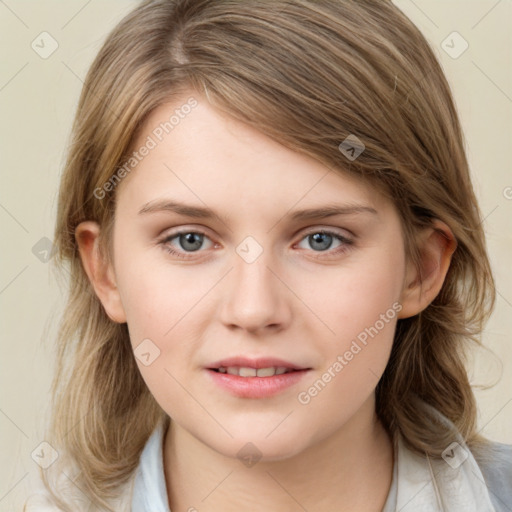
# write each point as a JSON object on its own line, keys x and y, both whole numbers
{"x": 295, "y": 301}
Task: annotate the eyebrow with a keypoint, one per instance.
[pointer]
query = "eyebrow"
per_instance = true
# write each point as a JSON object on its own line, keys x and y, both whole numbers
{"x": 200, "y": 212}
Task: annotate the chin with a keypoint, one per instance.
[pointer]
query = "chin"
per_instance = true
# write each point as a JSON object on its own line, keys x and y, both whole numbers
{"x": 251, "y": 446}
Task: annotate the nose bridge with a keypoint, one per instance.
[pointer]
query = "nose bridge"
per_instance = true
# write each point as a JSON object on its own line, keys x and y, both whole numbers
{"x": 256, "y": 298}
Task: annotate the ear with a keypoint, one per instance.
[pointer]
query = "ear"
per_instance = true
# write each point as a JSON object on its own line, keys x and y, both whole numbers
{"x": 99, "y": 271}
{"x": 436, "y": 245}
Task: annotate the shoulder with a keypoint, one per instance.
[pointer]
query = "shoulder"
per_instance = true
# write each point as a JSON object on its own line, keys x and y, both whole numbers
{"x": 495, "y": 462}
{"x": 40, "y": 499}
{"x": 40, "y": 502}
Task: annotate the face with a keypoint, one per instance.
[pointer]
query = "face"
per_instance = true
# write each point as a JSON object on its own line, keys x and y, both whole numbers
{"x": 213, "y": 261}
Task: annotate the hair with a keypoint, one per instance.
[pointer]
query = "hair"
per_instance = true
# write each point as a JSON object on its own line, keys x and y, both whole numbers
{"x": 307, "y": 73}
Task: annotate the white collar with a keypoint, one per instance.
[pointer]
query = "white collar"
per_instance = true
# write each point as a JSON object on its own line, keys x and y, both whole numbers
{"x": 427, "y": 485}
{"x": 419, "y": 484}
{"x": 149, "y": 489}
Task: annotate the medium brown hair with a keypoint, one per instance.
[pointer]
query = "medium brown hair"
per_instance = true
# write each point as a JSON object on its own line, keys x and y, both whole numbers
{"x": 307, "y": 73}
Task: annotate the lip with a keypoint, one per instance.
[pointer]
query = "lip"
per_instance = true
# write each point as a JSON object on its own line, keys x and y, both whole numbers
{"x": 255, "y": 387}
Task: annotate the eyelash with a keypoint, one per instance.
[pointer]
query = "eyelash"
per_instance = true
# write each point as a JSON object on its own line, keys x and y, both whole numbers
{"x": 346, "y": 242}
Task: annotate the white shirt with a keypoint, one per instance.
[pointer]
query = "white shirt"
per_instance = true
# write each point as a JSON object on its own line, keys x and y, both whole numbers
{"x": 419, "y": 484}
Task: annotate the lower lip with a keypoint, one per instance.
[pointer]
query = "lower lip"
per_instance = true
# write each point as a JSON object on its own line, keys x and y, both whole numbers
{"x": 256, "y": 387}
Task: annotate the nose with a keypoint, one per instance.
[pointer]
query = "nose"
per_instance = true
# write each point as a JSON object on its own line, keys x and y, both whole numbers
{"x": 255, "y": 300}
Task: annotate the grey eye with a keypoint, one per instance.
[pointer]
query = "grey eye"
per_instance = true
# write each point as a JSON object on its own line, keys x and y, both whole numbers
{"x": 190, "y": 241}
{"x": 320, "y": 241}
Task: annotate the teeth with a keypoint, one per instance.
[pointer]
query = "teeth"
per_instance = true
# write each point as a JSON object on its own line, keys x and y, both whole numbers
{"x": 243, "y": 371}
{"x": 247, "y": 372}
{"x": 265, "y": 372}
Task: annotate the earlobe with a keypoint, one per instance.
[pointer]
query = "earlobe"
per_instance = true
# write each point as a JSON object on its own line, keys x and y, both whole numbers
{"x": 436, "y": 246}
{"x": 99, "y": 271}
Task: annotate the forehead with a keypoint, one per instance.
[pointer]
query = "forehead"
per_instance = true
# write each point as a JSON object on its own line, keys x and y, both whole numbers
{"x": 206, "y": 156}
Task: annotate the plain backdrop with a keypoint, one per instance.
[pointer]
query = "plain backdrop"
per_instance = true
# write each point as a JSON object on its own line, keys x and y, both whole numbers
{"x": 38, "y": 96}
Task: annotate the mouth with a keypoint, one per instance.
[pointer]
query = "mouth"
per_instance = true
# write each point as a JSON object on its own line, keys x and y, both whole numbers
{"x": 255, "y": 378}
{"x": 246, "y": 371}
{"x": 243, "y": 366}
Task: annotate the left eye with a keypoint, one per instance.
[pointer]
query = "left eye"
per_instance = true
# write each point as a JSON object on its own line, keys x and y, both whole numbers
{"x": 322, "y": 240}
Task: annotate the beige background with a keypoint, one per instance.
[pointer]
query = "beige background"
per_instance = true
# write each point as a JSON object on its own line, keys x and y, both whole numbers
{"x": 37, "y": 100}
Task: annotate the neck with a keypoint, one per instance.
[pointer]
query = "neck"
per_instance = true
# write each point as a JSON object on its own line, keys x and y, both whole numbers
{"x": 349, "y": 470}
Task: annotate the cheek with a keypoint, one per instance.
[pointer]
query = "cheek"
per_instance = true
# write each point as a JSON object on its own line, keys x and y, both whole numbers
{"x": 156, "y": 296}
{"x": 166, "y": 308}
{"x": 361, "y": 310}
{"x": 359, "y": 293}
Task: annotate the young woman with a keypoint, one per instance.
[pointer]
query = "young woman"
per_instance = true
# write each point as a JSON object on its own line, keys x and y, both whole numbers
{"x": 277, "y": 265}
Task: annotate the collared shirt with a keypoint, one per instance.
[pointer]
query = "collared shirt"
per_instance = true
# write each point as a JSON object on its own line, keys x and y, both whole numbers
{"x": 455, "y": 483}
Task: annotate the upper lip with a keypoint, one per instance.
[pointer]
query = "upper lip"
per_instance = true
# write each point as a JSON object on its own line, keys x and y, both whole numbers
{"x": 260, "y": 362}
